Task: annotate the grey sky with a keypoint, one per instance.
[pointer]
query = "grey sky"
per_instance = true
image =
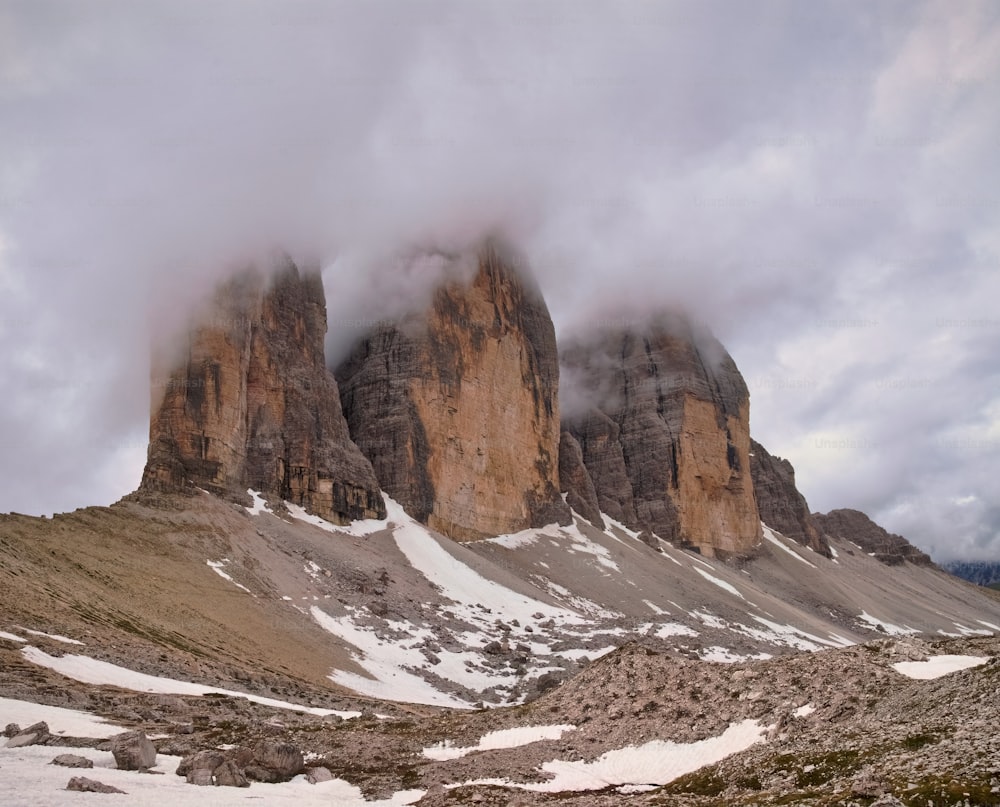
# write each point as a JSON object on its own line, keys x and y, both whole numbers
{"x": 818, "y": 181}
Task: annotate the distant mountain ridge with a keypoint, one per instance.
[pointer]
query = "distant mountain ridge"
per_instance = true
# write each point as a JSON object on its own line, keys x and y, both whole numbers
{"x": 982, "y": 573}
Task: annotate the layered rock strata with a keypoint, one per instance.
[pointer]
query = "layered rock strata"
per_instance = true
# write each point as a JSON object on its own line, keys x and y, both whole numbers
{"x": 856, "y": 527}
{"x": 456, "y": 407}
{"x": 251, "y": 404}
{"x": 781, "y": 505}
{"x": 661, "y": 414}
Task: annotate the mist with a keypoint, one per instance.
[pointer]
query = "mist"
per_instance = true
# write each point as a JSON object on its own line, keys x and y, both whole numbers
{"x": 817, "y": 182}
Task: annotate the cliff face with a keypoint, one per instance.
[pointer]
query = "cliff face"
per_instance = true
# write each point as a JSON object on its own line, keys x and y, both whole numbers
{"x": 781, "y": 505}
{"x": 456, "y": 407}
{"x": 664, "y": 433}
{"x": 855, "y": 526}
{"x": 252, "y": 405}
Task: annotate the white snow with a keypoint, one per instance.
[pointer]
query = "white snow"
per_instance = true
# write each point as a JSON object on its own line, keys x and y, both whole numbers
{"x": 936, "y": 666}
{"x": 834, "y": 553}
{"x": 805, "y": 711}
{"x": 578, "y": 653}
{"x": 36, "y": 783}
{"x": 218, "y": 565}
{"x": 70, "y": 722}
{"x": 11, "y": 637}
{"x": 654, "y": 763}
{"x": 516, "y": 540}
{"x": 720, "y": 583}
{"x": 655, "y": 608}
{"x": 54, "y": 636}
{"x": 772, "y": 538}
{"x": 357, "y": 529}
{"x": 665, "y": 629}
{"x": 93, "y": 671}
{"x": 989, "y": 625}
{"x": 723, "y": 655}
{"x": 888, "y": 627}
{"x": 259, "y": 506}
{"x": 505, "y": 738}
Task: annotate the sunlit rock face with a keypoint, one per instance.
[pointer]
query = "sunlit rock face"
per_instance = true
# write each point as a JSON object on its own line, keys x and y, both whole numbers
{"x": 456, "y": 406}
{"x": 249, "y": 403}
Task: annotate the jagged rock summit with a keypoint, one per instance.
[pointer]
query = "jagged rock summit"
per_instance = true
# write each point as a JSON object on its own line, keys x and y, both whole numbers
{"x": 781, "y": 505}
{"x": 856, "y": 527}
{"x": 251, "y": 404}
{"x": 662, "y": 418}
{"x": 456, "y": 406}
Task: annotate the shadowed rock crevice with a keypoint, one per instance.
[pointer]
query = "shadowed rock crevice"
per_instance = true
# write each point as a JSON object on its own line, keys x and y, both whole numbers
{"x": 252, "y": 405}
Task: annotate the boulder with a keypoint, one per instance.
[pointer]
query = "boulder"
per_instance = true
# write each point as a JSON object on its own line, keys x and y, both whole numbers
{"x": 133, "y": 751}
{"x": 72, "y": 761}
{"x": 85, "y": 785}
{"x": 275, "y": 761}
{"x": 36, "y": 734}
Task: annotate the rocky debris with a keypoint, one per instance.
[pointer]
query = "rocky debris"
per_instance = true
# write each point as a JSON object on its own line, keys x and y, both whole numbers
{"x": 133, "y": 751}
{"x": 72, "y": 761}
{"x": 661, "y": 414}
{"x": 251, "y": 404}
{"x": 457, "y": 408}
{"x": 85, "y": 785}
{"x": 856, "y": 527}
{"x": 268, "y": 761}
{"x": 576, "y": 483}
{"x": 319, "y": 774}
{"x": 11, "y": 730}
{"x": 781, "y": 505}
{"x": 36, "y": 734}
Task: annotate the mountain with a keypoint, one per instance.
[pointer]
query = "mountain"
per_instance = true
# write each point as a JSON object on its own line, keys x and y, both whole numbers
{"x": 856, "y": 527}
{"x": 781, "y": 505}
{"x": 662, "y": 418}
{"x": 982, "y": 573}
{"x": 457, "y": 406}
{"x": 250, "y": 404}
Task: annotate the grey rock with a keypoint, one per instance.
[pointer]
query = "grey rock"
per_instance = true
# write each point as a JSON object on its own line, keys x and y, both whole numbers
{"x": 199, "y": 768}
{"x": 781, "y": 505}
{"x": 72, "y": 761}
{"x": 229, "y": 775}
{"x": 575, "y": 481}
{"x": 36, "y": 734}
{"x": 275, "y": 761}
{"x": 133, "y": 751}
{"x": 85, "y": 785}
{"x": 855, "y": 526}
{"x": 318, "y": 774}
{"x": 11, "y": 729}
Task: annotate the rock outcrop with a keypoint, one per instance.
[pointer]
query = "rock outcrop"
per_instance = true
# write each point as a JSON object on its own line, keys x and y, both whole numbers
{"x": 456, "y": 407}
{"x": 781, "y": 505}
{"x": 661, "y": 414}
{"x": 855, "y": 526}
{"x": 252, "y": 404}
{"x": 575, "y": 482}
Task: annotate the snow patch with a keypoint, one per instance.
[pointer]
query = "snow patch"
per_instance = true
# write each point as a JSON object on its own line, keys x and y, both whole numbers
{"x": 720, "y": 583}
{"x": 770, "y": 536}
{"x": 217, "y": 566}
{"x": 70, "y": 722}
{"x": 505, "y": 738}
{"x": 887, "y": 627}
{"x": 11, "y": 637}
{"x": 936, "y": 666}
{"x": 259, "y": 506}
{"x": 654, "y": 763}
{"x": 804, "y": 711}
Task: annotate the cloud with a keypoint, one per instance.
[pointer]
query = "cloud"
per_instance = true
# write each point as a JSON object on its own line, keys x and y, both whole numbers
{"x": 816, "y": 182}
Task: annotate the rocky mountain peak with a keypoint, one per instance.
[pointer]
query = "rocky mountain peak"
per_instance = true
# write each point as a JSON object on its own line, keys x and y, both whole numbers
{"x": 661, "y": 415}
{"x": 250, "y": 403}
{"x": 456, "y": 406}
{"x": 859, "y": 529}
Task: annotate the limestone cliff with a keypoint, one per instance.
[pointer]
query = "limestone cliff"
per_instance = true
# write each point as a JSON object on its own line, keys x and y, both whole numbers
{"x": 855, "y": 526}
{"x": 252, "y": 405}
{"x": 456, "y": 406}
{"x": 781, "y": 505}
{"x": 662, "y": 419}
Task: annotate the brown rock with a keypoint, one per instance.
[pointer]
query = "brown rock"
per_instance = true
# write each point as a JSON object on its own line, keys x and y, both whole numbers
{"x": 275, "y": 761}
{"x": 85, "y": 785}
{"x": 319, "y": 774}
{"x": 36, "y": 734}
{"x": 781, "y": 505}
{"x": 456, "y": 407}
{"x": 855, "y": 526}
{"x": 199, "y": 768}
{"x": 72, "y": 761}
{"x": 252, "y": 405}
{"x": 133, "y": 751}
{"x": 575, "y": 482}
{"x": 673, "y": 401}
{"x": 229, "y": 775}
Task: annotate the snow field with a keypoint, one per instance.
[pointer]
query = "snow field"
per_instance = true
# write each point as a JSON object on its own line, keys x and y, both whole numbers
{"x": 505, "y": 738}
{"x": 936, "y": 666}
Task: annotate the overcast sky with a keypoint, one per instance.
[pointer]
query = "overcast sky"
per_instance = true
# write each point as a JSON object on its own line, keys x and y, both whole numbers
{"x": 818, "y": 181}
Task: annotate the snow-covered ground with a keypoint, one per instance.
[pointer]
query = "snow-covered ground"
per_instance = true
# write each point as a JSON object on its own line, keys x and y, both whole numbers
{"x": 936, "y": 666}
{"x": 504, "y": 738}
